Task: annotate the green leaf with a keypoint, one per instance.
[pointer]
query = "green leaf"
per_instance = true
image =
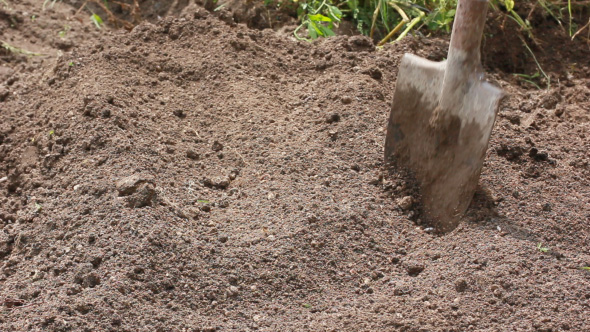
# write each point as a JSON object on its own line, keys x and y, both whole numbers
{"x": 587, "y": 268}
{"x": 203, "y": 201}
{"x": 319, "y": 18}
{"x": 96, "y": 20}
{"x": 326, "y": 32}
{"x": 307, "y": 305}
{"x": 334, "y": 13}
{"x": 312, "y": 30}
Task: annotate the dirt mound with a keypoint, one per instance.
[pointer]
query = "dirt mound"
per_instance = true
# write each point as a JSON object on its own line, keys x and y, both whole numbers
{"x": 195, "y": 175}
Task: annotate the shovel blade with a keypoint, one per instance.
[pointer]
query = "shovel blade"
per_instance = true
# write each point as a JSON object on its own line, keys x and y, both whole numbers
{"x": 444, "y": 148}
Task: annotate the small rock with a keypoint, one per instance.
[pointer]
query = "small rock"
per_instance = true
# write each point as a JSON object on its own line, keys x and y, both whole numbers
{"x": 526, "y": 106}
{"x": 4, "y": 93}
{"x": 547, "y": 207}
{"x": 191, "y": 154}
{"x": 537, "y": 155}
{"x": 233, "y": 291}
{"x": 74, "y": 289}
{"x": 559, "y": 111}
{"x": 460, "y": 285}
{"x": 333, "y": 134}
{"x": 217, "y": 146}
{"x": 179, "y": 113}
{"x": 513, "y": 118}
{"x": 346, "y": 100}
{"x": 222, "y": 238}
{"x": 38, "y": 275}
{"x": 455, "y": 304}
{"x": 233, "y": 280}
{"x": 129, "y": 185}
{"x": 414, "y": 268}
{"x": 334, "y": 117}
{"x": 405, "y": 203}
{"x": 375, "y": 275}
{"x": 220, "y": 182}
{"x": 374, "y": 72}
{"x": 360, "y": 43}
{"x": 138, "y": 189}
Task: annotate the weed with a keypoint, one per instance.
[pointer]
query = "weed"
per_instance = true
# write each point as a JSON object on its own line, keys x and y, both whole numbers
{"x": 63, "y": 33}
{"x": 547, "y": 78}
{"x": 204, "y": 201}
{"x": 306, "y": 305}
{"x": 587, "y": 268}
{"x": 530, "y": 78}
{"x": 16, "y": 50}
{"x": 541, "y": 248}
{"x": 319, "y": 17}
{"x": 96, "y": 20}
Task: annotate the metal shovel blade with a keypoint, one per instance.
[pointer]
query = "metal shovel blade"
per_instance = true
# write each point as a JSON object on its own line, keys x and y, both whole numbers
{"x": 443, "y": 148}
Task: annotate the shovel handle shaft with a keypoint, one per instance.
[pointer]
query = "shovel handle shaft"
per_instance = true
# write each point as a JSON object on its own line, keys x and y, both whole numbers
{"x": 470, "y": 19}
{"x": 463, "y": 60}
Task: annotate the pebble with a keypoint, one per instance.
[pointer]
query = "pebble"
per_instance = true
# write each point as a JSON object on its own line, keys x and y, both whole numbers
{"x": 460, "y": 285}
{"x": 39, "y": 275}
{"x": 346, "y": 100}
{"x": 414, "y": 268}
{"x": 334, "y": 117}
{"x": 405, "y": 203}
{"x": 217, "y": 146}
{"x": 220, "y": 182}
{"x": 129, "y": 185}
{"x": 333, "y": 134}
{"x": 191, "y": 154}
{"x": 374, "y": 72}
{"x": 179, "y": 113}
{"x": 233, "y": 291}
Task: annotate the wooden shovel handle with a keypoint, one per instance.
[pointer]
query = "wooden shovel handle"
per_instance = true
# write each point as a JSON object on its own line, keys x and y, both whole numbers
{"x": 470, "y": 19}
{"x": 463, "y": 66}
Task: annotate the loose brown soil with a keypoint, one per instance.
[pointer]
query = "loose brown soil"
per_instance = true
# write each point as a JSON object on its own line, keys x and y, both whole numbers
{"x": 196, "y": 175}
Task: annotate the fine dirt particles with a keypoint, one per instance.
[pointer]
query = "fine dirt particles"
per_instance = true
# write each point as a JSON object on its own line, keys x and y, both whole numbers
{"x": 195, "y": 174}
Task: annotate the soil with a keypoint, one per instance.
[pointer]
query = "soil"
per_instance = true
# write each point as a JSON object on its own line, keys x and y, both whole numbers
{"x": 197, "y": 175}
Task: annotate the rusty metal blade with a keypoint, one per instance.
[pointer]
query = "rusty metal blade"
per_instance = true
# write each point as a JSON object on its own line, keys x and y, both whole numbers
{"x": 444, "y": 148}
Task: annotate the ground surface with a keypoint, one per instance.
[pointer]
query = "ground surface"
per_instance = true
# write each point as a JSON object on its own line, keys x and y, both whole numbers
{"x": 195, "y": 175}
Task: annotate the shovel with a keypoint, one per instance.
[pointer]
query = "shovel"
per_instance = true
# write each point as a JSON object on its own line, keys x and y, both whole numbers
{"x": 441, "y": 120}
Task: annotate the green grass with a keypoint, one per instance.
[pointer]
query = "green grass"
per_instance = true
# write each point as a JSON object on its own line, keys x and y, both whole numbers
{"x": 383, "y": 19}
